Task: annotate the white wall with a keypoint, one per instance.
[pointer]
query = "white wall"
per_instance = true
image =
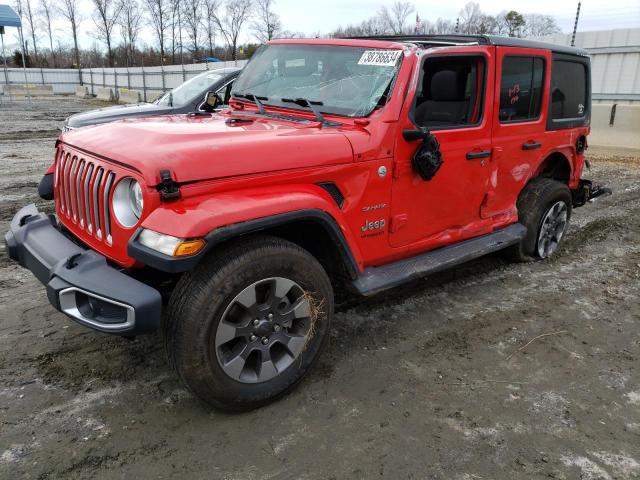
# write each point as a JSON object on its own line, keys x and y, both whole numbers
{"x": 615, "y": 62}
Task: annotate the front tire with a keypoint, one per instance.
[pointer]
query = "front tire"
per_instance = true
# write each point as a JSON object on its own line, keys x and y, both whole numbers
{"x": 544, "y": 207}
{"x": 247, "y": 324}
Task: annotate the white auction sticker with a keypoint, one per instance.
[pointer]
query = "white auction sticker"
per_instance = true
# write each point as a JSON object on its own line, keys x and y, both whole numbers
{"x": 380, "y": 58}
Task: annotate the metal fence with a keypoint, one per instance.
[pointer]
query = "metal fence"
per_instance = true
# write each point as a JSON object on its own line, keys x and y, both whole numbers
{"x": 151, "y": 81}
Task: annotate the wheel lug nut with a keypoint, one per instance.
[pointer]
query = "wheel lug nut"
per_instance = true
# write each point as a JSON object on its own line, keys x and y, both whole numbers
{"x": 253, "y": 338}
{"x": 256, "y": 322}
{"x": 270, "y": 316}
{"x": 276, "y": 328}
{"x": 265, "y": 340}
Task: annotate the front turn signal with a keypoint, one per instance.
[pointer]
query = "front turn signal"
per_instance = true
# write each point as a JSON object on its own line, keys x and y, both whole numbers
{"x": 188, "y": 247}
{"x": 171, "y": 246}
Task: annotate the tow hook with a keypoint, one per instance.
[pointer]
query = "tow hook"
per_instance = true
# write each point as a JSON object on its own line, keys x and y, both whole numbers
{"x": 588, "y": 192}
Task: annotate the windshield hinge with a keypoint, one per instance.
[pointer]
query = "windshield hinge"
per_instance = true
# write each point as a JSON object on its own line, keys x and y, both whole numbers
{"x": 168, "y": 187}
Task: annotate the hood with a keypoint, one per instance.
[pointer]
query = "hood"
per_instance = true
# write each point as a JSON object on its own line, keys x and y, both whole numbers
{"x": 116, "y": 112}
{"x": 198, "y": 148}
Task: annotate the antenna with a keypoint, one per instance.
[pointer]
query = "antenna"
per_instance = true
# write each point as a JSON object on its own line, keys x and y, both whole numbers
{"x": 575, "y": 27}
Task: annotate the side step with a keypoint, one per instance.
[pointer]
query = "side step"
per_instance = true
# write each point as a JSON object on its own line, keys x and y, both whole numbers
{"x": 375, "y": 279}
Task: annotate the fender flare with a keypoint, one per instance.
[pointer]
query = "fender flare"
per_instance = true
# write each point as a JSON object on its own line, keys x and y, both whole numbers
{"x": 219, "y": 235}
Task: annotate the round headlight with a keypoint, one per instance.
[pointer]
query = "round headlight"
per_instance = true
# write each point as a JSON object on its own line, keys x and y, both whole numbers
{"x": 135, "y": 194}
{"x": 127, "y": 202}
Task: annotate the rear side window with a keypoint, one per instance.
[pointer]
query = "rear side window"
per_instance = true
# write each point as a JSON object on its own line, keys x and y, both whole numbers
{"x": 521, "y": 88}
{"x": 568, "y": 89}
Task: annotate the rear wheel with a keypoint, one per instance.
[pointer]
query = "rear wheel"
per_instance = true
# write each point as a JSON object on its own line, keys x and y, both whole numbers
{"x": 544, "y": 207}
{"x": 246, "y": 325}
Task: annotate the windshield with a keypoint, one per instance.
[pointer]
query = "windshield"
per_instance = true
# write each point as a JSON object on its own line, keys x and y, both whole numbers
{"x": 349, "y": 81}
{"x": 194, "y": 87}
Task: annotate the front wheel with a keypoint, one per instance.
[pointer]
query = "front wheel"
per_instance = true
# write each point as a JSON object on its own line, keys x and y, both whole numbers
{"x": 245, "y": 326}
{"x": 544, "y": 207}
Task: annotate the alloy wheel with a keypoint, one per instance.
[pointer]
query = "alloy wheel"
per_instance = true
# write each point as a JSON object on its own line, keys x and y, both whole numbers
{"x": 552, "y": 229}
{"x": 263, "y": 330}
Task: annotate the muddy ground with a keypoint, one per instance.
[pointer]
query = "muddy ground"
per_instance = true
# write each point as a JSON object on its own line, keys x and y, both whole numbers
{"x": 421, "y": 383}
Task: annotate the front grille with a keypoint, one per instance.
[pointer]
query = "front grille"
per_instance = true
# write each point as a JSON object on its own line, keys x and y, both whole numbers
{"x": 83, "y": 189}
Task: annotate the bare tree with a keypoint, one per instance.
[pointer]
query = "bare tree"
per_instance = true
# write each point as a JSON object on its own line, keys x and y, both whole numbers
{"x": 502, "y": 26}
{"x": 236, "y": 13}
{"x": 26, "y": 10}
{"x": 130, "y": 25}
{"x": 444, "y": 26}
{"x": 105, "y": 18}
{"x": 376, "y": 25}
{"x": 69, "y": 10}
{"x": 176, "y": 24}
{"x": 486, "y": 25}
{"x": 291, "y": 34}
{"x": 158, "y": 19}
{"x": 210, "y": 8}
{"x": 23, "y": 42}
{"x": 193, "y": 23}
{"x": 267, "y": 24}
{"x": 47, "y": 13}
{"x": 396, "y": 17}
{"x": 537, "y": 25}
{"x": 470, "y": 18}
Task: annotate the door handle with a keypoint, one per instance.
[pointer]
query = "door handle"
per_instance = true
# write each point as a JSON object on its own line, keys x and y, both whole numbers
{"x": 478, "y": 154}
{"x": 531, "y": 145}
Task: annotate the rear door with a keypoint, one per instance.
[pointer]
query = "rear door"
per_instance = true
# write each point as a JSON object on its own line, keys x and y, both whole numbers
{"x": 445, "y": 209}
{"x": 519, "y": 120}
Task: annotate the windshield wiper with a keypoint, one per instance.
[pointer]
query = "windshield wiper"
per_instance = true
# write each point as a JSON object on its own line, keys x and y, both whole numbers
{"x": 303, "y": 102}
{"x": 255, "y": 98}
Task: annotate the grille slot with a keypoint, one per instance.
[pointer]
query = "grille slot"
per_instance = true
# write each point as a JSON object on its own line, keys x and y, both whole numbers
{"x": 79, "y": 202}
{"x": 96, "y": 202}
{"x": 106, "y": 214}
{"x": 72, "y": 190}
{"x": 83, "y": 191}
{"x": 87, "y": 205}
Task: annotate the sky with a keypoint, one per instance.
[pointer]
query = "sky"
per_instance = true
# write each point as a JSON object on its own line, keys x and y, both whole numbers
{"x": 324, "y": 16}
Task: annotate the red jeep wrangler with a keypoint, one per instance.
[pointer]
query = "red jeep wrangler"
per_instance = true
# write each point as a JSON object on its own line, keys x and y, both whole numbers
{"x": 357, "y": 164}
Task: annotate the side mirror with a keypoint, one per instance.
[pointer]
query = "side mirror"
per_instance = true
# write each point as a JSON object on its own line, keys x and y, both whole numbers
{"x": 211, "y": 101}
{"x": 413, "y": 135}
{"x": 427, "y": 159}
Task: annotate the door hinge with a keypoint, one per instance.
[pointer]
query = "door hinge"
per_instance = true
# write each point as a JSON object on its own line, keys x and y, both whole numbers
{"x": 396, "y": 169}
{"x": 168, "y": 187}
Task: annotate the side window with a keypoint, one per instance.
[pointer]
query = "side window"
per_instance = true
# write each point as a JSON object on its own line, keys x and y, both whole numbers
{"x": 521, "y": 88}
{"x": 568, "y": 89}
{"x": 450, "y": 92}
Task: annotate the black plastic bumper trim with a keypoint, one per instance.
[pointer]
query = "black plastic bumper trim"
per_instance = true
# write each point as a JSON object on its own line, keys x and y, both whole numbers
{"x": 36, "y": 244}
{"x": 45, "y": 187}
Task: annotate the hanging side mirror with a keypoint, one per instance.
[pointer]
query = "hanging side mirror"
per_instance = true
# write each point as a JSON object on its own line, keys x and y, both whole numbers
{"x": 427, "y": 159}
{"x": 413, "y": 135}
{"x": 211, "y": 101}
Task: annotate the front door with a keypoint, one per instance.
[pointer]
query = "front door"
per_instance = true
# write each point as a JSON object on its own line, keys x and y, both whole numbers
{"x": 453, "y": 100}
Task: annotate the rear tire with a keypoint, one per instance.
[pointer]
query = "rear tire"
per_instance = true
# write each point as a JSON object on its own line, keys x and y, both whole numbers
{"x": 245, "y": 326}
{"x": 544, "y": 207}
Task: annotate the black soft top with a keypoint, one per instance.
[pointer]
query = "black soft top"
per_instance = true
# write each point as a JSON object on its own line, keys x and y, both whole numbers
{"x": 450, "y": 40}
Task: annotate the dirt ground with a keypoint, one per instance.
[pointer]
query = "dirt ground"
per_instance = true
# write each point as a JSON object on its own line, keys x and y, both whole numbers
{"x": 428, "y": 381}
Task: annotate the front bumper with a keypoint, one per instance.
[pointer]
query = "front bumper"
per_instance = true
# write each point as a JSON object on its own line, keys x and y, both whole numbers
{"x": 79, "y": 282}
